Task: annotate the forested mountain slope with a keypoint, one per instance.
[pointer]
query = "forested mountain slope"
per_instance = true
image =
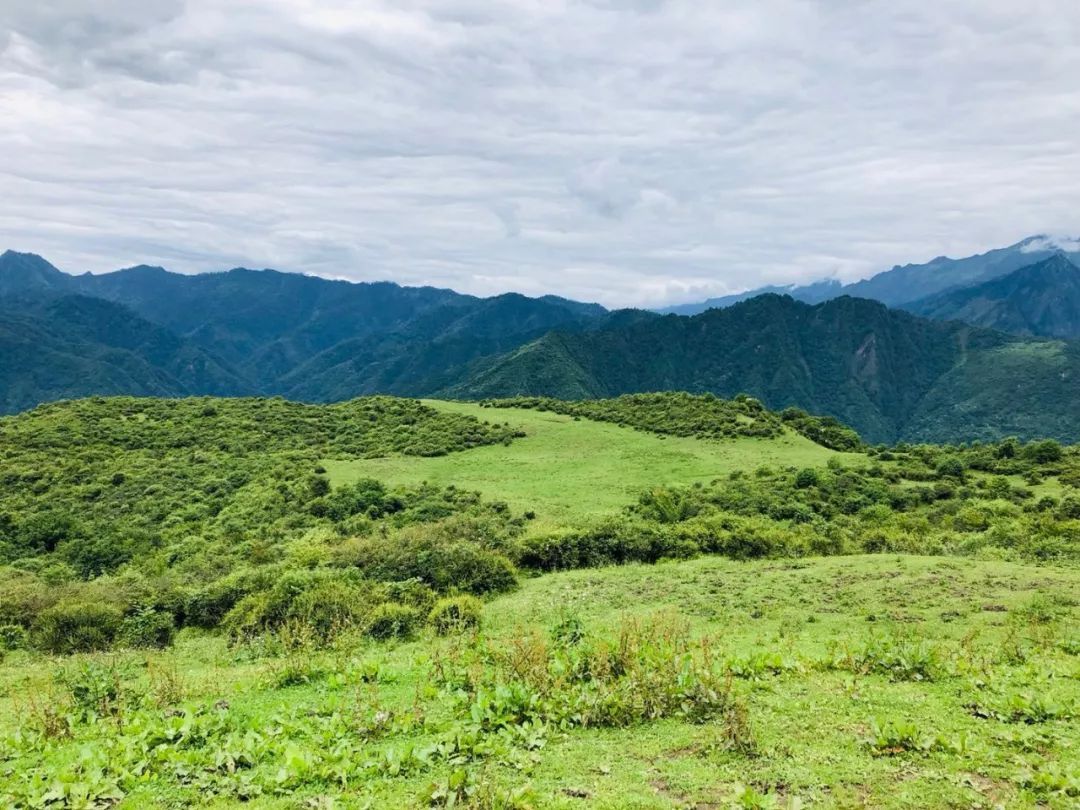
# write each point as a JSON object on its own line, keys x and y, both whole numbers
{"x": 1041, "y": 299}
{"x": 887, "y": 373}
{"x": 57, "y": 347}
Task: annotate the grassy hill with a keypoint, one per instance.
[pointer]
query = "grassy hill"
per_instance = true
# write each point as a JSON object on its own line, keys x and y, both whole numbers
{"x": 565, "y": 470}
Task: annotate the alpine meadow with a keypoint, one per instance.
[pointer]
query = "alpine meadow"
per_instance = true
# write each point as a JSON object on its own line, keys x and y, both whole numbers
{"x": 523, "y": 405}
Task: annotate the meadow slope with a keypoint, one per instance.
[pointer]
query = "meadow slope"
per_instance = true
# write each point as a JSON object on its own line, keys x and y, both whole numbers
{"x": 567, "y": 471}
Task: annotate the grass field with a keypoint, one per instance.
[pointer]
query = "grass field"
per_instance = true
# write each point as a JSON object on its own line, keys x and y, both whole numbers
{"x": 968, "y": 667}
{"x": 786, "y": 681}
{"x": 569, "y": 471}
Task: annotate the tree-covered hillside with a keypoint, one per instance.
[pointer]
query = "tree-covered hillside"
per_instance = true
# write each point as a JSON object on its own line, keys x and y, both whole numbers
{"x": 886, "y": 373}
{"x": 1041, "y": 299}
{"x": 301, "y": 336}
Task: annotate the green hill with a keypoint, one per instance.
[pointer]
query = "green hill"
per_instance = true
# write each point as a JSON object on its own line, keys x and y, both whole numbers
{"x": 888, "y": 374}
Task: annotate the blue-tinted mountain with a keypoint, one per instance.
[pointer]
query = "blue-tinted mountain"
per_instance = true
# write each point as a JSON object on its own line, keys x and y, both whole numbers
{"x": 1040, "y": 299}
{"x": 807, "y": 293}
{"x": 906, "y": 284}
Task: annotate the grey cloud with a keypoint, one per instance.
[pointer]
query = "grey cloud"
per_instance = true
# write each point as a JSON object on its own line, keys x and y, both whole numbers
{"x": 632, "y": 153}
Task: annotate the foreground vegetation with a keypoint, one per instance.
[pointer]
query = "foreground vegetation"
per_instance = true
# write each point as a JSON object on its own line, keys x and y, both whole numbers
{"x": 876, "y": 681}
{"x": 252, "y": 600}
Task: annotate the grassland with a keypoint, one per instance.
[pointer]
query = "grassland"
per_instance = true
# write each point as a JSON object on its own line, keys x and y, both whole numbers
{"x": 567, "y": 471}
{"x": 967, "y": 668}
{"x": 304, "y": 667}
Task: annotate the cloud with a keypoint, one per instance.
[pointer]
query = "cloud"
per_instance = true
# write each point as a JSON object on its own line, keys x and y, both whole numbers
{"x": 635, "y": 153}
{"x": 1064, "y": 243}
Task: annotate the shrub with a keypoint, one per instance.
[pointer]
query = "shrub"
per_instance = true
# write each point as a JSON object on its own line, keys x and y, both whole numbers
{"x": 77, "y": 627}
{"x": 807, "y": 477}
{"x": 455, "y": 614}
{"x": 147, "y": 628}
{"x": 13, "y": 637}
{"x": 208, "y": 606}
{"x": 390, "y": 620}
{"x": 325, "y": 602}
{"x": 1044, "y": 452}
{"x": 951, "y": 468}
{"x": 441, "y": 563}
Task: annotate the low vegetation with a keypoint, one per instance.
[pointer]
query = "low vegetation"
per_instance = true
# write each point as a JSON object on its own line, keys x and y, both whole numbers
{"x": 703, "y": 416}
{"x": 198, "y": 605}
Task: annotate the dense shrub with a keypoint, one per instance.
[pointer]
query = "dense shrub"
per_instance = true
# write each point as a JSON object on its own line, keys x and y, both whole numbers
{"x": 147, "y": 628}
{"x": 442, "y": 563}
{"x": 325, "y": 602}
{"x": 390, "y": 620}
{"x": 455, "y": 614}
{"x": 13, "y": 637}
{"x": 77, "y": 627}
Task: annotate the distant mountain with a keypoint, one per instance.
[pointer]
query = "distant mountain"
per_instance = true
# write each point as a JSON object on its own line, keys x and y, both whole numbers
{"x": 1041, "y": 299}
{"x": 889, "y": 374}
{"x": 65, "y": 346}
{"x": 912, "y": 282}
{"x": 807, "y": 293}
{"x": 308, "y": 337}
{"x": 903, "y": 285}
{"x": 25, "y": 272}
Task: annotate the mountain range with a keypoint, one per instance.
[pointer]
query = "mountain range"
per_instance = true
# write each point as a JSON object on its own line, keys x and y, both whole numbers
{"x": 905, "y": 286}
{"x": 957, "y": 374}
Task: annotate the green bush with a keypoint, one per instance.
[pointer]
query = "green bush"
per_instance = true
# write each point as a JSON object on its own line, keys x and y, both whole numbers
{"x": 147, "y": 628}
{"x": 442, "y": 563}
{"x": 456, "y": 614}
{"x": 77, "y": 627}
{"x": 807, "y": 477}
{"x": 326, "y": 602}
{"x": 13, "y": 637}
{"x": 391, "y": 620}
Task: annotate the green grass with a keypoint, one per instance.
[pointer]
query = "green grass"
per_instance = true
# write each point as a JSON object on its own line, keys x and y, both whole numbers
{"x": 569, "y": 471}
{"x": 809, "y": 724}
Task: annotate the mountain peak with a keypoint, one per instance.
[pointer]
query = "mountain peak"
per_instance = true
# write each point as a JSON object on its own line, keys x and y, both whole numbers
{"x": 27, "y": 272}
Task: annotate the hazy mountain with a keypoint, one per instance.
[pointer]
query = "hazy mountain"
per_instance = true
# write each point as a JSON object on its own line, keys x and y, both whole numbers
{"x": 888, "y": 373}
{"x": 905, "y": 284}
{"x": 1041, "y": 299}
{"x": 807, "y": 293}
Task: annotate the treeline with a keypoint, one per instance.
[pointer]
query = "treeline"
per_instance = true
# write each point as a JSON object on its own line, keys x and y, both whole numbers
{"x": 702, "y": 416}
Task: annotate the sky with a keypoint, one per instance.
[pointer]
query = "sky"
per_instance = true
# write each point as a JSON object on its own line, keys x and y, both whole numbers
{"x": 631, "y": 152}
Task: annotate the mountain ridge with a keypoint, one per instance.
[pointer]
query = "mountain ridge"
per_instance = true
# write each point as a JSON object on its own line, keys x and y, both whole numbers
{"x": 1042, "y": 299}
{"x": 874, "y": 368}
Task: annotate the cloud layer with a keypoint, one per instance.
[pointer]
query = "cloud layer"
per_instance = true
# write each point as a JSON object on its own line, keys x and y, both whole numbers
{"x": 640, "y": 152}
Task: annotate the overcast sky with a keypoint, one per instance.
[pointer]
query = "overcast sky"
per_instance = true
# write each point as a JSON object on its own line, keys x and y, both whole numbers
{"x": 623, "y": 151}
